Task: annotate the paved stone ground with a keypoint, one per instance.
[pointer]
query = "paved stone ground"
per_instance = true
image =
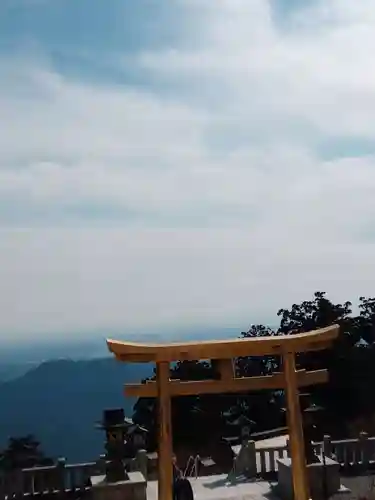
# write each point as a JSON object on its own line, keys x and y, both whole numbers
{"x": 217, "y": 488}
{"x": 359, "y": 486}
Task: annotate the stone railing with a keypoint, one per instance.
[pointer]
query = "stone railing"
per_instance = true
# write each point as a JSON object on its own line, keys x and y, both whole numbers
{"x": 266, "y": 458}
{"x": 60, "y": 477}
{"x": 348, "y": 452}
{"x": 76, "y": 477}
{"x": 49, "y": 479}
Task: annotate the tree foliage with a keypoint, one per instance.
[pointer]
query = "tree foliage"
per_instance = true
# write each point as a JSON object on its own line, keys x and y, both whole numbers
{"x": 347, "y": 396}
{"x": 23, "y": 452}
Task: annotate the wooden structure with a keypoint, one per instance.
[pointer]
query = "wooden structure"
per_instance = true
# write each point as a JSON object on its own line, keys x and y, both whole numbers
{"x": 224, "y": 352}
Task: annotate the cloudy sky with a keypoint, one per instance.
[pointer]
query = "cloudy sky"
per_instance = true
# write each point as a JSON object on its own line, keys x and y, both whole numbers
{"x": 170, "y": 163}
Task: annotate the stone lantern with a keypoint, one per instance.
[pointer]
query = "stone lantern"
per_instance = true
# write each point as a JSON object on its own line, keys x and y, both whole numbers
{"x": 310, "y": 414}
{"x": 115, "y": 426}
{"x": 117, "y": 483}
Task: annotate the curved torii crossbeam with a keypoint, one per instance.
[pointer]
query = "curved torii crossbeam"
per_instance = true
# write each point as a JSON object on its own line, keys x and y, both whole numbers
{"x": 223, "y": 352}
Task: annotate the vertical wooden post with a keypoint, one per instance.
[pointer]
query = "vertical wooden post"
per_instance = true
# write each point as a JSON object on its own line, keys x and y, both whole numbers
{"x": 297, "y": 447}
{"x": 226, "y": 369}
{"x": 165, "y": 473}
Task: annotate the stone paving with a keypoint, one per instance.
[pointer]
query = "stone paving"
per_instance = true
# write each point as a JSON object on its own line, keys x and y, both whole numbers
{"x": 357, "y": 487}
{"x": 217, "y": 488}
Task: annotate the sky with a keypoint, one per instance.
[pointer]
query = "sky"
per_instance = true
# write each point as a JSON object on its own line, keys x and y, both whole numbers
{"x": 176, "y": 164}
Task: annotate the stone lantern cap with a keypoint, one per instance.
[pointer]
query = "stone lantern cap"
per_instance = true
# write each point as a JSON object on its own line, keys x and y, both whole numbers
{"x": 114, "y": 418}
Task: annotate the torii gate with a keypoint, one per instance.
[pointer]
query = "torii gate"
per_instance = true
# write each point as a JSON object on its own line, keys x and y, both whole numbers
{"x": 224, "y": 351}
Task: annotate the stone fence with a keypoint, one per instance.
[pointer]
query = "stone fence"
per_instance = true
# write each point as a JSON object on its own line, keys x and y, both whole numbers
{"x": 348, "y": 452}
{"x": 72, "y": 479}
{"x": 75, "y": 478}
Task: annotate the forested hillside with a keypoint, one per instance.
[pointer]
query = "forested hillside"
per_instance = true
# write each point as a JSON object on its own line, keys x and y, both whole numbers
{"x": 59, "y": 402}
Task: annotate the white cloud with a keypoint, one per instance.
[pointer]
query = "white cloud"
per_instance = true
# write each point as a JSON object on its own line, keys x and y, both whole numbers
{"x": 68, "y": 280}
{"x": 320, "y": 75}
{"x": 236, "y": 142}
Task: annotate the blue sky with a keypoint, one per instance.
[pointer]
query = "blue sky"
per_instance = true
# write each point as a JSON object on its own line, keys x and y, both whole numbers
{"x": 184, "y": 162}
{"x": 86, "y": 39}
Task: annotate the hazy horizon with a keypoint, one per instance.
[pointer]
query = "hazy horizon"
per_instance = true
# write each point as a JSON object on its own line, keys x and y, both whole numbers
{"x": 94, "y": 346}
{"x": 98, "y": 338}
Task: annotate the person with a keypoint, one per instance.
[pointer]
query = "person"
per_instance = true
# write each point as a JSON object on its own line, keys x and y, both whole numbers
{"x": 182, "y": 489}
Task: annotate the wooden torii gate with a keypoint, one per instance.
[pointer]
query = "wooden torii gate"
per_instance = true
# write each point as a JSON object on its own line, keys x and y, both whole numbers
{"x": 223, "y": 352}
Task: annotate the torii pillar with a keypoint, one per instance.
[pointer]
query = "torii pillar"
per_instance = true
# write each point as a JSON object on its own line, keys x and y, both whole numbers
{"x": 165, "y": 469}
{"x": 297, "y": 444}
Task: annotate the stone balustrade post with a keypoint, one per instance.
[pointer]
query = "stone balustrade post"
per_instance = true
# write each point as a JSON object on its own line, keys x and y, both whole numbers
{"x": 2, "y": 484}
{"x": 288, "y": 447}
{"x": 61, "y": 478}
{"x": 16, "y": 483}
{"x": 364, "y": 448}
{"x": 253, "y": 464}
{"x": 100, "y": 463}
{"x": 327, "y": 445}
{"x": 142, "y": 462}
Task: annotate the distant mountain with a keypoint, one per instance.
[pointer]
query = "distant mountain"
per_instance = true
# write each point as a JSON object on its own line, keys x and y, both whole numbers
{"x": 9, "y": 371}
{"x": 37, "y": 351}
{"x": 60, "y": 401}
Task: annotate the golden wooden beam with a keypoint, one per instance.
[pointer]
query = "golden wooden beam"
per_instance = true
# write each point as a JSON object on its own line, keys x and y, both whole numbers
{"x": 223, "y": 349}
{"x": 226, "y": 368}
{"x": 181, "y": 388}
{"x": 297, "y": 448}
{"x": 165, "y": 472}
{"x": 278, "y": 351}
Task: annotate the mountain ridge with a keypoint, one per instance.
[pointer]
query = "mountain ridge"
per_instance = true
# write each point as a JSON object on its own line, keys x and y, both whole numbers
{"x": 60, "y": 399}
{"x": 58, "y": 390}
